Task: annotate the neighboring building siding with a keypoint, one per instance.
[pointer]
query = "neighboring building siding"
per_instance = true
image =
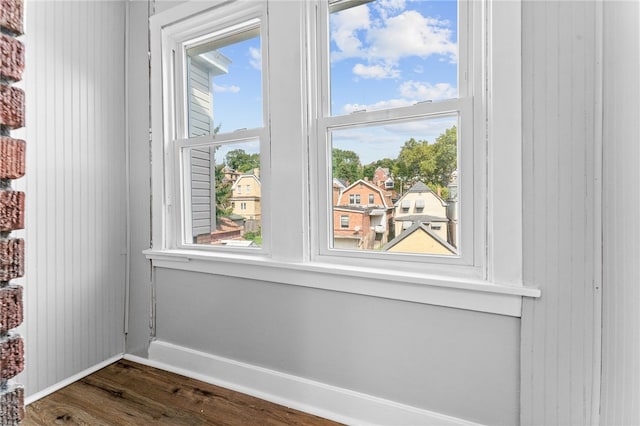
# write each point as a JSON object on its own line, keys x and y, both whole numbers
{"x": 363, "y": 189}
{"x": 246, "y": 197}
{"x": 434, "y": 207}
{"x": 202, "y": 196}
{"x": 203, "y": 209}
{"x": 420, "y": 242}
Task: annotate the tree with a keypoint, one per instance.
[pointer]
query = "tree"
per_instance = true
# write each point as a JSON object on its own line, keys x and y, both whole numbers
{"x": 242, "y": 162}
{"x": 346, "y": 165}
{"x": 432, "y": 164}
{"x": 445, "y": 154}
{"x": 413, "y": 161}
{"x": 223, "y": 193}
{"x": 369, "y": 169}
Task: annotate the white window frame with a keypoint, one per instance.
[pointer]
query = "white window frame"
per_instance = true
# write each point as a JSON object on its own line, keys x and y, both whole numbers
{"x": 492, "y": 282}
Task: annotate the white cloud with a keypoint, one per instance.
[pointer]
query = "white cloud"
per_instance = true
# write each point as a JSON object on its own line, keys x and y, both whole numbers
{"x": 377, "y": 72}
{"x": 344, "y": 31}
{"x": 411, "y": 34}
{"x": 256, "y": 58}
{"x": 225, "y": 89}
{"x": 384, "y": 7}
{"x": 391, "y": 38}
{"x": 422, "y": 91}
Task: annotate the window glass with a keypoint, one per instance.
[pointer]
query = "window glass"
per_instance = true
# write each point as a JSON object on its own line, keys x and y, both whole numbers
{"x": 392, "y": 53}
{"x": 224, "y": 81}
{"x": 223, "y": 195}
{"x": 395, "y": 166}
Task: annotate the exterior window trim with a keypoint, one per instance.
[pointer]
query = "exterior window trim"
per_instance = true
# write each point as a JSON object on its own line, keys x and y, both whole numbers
{"x": 497, "y": 289}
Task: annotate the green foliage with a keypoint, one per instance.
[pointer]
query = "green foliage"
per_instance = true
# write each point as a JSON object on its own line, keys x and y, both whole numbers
{"x": 369, "y": 169}
{"x": 254, "y": 236}
{"x": 242, "y": 162}
{"x": 223, "y": 193}
{"x": 432, "y": 164}
{"x": 346, "y": 165}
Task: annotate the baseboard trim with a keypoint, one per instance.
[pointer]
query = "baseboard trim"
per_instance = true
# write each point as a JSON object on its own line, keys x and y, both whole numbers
{"x": 66, "y": 382}
{"x": 331, "y": 402}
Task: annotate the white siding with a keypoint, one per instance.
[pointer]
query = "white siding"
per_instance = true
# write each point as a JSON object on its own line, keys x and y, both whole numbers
{"x": 621, "y": 212}
{"x": 75, "y": 186}
{"x": 559, "y": 330}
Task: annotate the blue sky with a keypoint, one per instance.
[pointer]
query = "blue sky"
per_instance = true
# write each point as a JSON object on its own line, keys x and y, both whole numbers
{"x": 384, "y": 54}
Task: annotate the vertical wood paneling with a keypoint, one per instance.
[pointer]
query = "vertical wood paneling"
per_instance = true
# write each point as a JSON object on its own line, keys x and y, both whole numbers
{"x": 74, "y": 281}
{"x": 621, "y": 211}
{"x": 559, "y": 330}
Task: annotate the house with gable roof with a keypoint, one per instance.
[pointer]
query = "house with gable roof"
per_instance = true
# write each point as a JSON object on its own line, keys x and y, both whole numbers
{"x": 361, "y": 217}
{"x": 419, "y": 238}
{"x": 245, "y": 196}
{"x": 421, "y": 205}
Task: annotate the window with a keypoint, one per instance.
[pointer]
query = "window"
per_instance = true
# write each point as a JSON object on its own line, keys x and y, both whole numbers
{"x": 219, "y": 108}
{"x": 344, "y": 222}
{"x": 312, "y": 105}
{"x": 398, "y": 95}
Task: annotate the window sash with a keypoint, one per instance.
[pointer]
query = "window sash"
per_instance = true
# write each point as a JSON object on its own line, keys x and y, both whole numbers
{"x": 470, "y": 183}
{"x": 232, "y": 19}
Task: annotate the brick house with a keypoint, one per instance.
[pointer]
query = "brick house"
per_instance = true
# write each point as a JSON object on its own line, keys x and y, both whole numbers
{"x": 361, "y": 217}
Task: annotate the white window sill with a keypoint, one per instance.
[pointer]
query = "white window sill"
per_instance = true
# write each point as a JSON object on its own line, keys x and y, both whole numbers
{"x": 475, "y": 295}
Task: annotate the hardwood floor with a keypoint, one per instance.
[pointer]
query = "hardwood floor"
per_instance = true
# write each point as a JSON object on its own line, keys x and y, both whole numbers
{"x": 127, "y": 393}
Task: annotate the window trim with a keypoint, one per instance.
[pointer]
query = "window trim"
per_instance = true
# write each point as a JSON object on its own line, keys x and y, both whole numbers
{"x": 500, "y": 291}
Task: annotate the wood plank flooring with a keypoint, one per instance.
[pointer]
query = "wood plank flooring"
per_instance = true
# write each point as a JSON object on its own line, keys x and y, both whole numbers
{"x": 127, "y": 393}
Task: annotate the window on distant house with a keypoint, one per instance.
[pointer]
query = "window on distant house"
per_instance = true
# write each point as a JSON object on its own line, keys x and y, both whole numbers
{"x": 371, "y": 199}
{"x": 344, "y": 222}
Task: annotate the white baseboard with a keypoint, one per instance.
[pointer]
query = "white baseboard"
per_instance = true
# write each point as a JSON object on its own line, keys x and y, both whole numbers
{"x": 66, "y": 382}
{"x": 334, "y": 403}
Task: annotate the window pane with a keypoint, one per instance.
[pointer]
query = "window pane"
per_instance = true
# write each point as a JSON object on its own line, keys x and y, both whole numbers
{"x": 397, "y": 184}
{"x": 223, "y": 194}
{"x": 224, "y": 84}
{"x": 387, "y": 54}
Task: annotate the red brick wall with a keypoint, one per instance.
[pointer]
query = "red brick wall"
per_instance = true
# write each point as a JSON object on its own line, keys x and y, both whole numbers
{"x": 12, "y": 165}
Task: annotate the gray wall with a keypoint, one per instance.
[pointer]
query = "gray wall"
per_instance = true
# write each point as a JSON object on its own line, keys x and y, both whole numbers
{"x": 451, "y": 361}
{"x": 140, "y": 275}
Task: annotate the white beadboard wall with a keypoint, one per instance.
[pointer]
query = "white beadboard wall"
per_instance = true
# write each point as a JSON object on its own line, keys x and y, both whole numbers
{"x": 75, "y": 186}
{"x": 559, "y": 350}
{"x": 621, "y": 212}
